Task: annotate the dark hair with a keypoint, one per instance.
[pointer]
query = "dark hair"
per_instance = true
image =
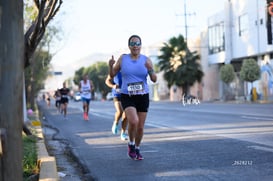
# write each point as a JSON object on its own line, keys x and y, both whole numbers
{"x": 134, "y": 36}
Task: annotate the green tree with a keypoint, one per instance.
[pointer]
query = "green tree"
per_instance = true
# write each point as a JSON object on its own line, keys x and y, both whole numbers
{"x": 250, "y": 71}
{"x": 180, "y": 65}
{"x": 78, "y": 75}
{"x": 38, "y": 37}
{"x": 35, "y": 76}
{"x": 97, "y": 73}
{"x": 40, "y": 14}
{"x": 227, "y": 75}
{"x": 16, "y": 49}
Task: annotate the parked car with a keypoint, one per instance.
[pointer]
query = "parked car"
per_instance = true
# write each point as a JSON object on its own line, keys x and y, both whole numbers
{"x": 109, "y": 96}
{"x": 77, "y": 96}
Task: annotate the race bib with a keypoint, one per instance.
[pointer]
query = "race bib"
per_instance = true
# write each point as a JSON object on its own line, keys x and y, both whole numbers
{"x": 135, "y": 88}
{"x": 86, "y": 92}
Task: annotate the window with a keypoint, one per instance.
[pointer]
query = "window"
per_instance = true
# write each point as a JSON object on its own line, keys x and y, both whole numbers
{"x": 216, "y": 38}
{"x": 243, "y": 24}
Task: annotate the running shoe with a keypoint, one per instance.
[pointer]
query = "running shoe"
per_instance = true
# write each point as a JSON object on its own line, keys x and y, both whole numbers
{"x": 123, "y": 137}
{"x": 84, "y": 116}
{"x": 132, "y": 152}
{"x": 115, "y": 129}
{"x": 138, "y": 155}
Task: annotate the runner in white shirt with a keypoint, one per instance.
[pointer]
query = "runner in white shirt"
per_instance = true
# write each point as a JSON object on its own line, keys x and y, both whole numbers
{"x": 86, "y": 87}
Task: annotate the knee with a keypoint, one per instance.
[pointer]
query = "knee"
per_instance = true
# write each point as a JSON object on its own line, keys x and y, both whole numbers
{"x": 140, "y": 130}
{"x": 134, "y": 122}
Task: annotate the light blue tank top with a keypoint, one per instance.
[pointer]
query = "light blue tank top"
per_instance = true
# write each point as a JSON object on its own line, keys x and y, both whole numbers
{"x": 134, "y": 75}
{"x": 118, "y": 81}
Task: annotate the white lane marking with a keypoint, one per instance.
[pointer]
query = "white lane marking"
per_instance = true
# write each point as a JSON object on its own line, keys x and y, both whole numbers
{"x": 258, "y": 118}
{"x": 262, "y": 148}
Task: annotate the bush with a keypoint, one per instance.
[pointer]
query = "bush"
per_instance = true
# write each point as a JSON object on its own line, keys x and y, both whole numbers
{"x": 250, "y": 70}
{"x": 30, "y": 166}
{"x": 227, "y": 73}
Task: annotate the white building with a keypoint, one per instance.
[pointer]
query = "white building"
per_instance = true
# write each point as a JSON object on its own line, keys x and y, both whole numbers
{"x": 242, "y": 30}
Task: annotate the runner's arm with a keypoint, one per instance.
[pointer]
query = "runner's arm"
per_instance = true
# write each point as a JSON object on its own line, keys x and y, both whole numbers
{"x": 109, "y": 82}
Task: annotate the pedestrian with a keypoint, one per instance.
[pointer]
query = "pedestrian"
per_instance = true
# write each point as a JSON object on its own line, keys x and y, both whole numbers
{"x": 85, "y": 87}
{"x": 115, "y": 83}
{"x": 48, "y": 99}
{"x": 44, "y": 97}
{"x": 57, "y": 96}
{"x": 134, "y": 68}
{"x": 65, "y": 93}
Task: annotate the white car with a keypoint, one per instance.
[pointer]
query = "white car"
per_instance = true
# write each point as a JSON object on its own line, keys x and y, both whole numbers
{"x": 109, "y": 96}
{"x": 77, "y": 96}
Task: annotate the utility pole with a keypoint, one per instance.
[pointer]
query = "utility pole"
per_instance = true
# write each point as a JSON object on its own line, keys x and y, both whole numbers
{"x": 185, "y": 19}
{"x": 186, "y": 14}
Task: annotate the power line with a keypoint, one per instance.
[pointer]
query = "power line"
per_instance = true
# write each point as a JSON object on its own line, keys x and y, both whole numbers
{"x": 186, "y": 14}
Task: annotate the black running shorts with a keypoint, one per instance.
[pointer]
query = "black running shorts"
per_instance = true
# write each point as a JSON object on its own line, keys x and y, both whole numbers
{"x": 140, "y": 102}
{"x": 64, "y": 100}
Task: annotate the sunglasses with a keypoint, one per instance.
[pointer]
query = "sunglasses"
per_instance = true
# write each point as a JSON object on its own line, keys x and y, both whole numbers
{"x": 134, "y": 44}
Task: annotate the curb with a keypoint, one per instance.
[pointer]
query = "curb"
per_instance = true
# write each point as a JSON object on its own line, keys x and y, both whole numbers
{"x": 47, "y": 164}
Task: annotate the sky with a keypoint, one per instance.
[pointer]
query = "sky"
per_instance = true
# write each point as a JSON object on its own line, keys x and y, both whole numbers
{"x": 104, "y": 26}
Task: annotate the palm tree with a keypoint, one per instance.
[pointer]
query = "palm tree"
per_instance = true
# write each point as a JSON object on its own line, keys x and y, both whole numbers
{"x": 180, "y": 66}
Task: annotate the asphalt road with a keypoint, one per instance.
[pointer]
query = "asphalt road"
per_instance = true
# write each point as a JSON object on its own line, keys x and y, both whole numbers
{"x": 210, "y": 141}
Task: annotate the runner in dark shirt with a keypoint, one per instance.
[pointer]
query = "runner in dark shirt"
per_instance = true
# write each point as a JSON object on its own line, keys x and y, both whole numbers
{"x": 57, "y": 97}
{"x": 65, "y": 93}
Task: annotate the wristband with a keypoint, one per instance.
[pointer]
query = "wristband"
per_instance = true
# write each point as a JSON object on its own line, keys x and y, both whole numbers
{"x": 151, "y": 71}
